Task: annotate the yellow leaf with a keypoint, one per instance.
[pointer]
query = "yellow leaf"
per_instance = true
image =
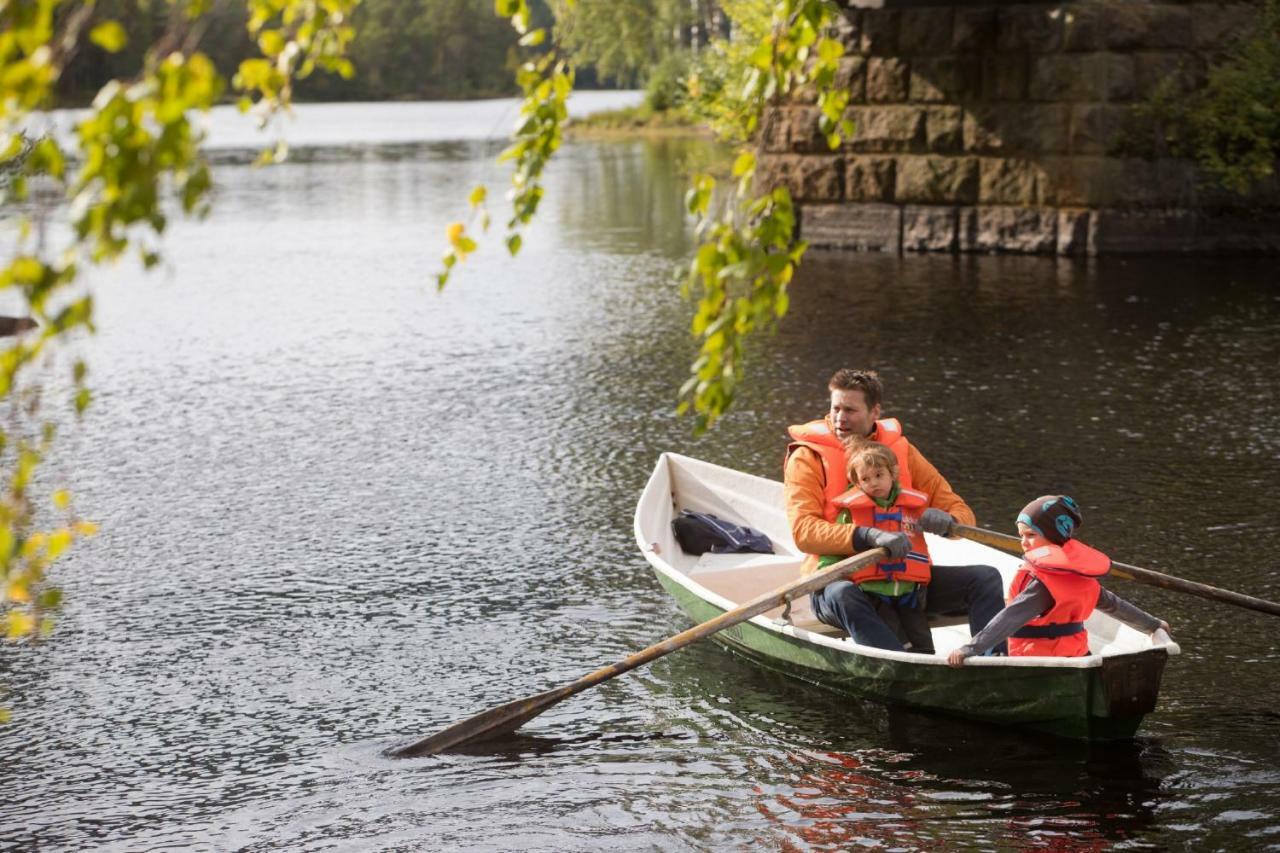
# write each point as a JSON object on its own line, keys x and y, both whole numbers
{"x": 59, "y": 541}
{"x": 19, "y": 624}
{"x": 85, "y": 528}
{"x": 61, "y": 498}
{"x": 271, "y": 42}
{"x": 33, "y": 545}
{"x": 455, "y": 232}
{"x": 18, "y": 591}
{"x": 109, "y": 36}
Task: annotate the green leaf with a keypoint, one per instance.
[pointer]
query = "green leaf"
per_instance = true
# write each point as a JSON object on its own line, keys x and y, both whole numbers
{"x": 477, "y": 196}
{"x": 46, "y": 157}
{"x": 109, "y": 36}
{"x": 829, "y": 50}
{"x": 513, "y": 244}
{"x": 12, "y": 148}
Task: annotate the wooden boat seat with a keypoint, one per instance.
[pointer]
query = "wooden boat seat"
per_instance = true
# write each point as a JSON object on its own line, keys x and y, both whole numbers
{"x": 742, "y": 577}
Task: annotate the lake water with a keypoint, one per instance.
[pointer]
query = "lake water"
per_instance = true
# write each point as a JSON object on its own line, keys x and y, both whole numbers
{"x": 339, "y": 510}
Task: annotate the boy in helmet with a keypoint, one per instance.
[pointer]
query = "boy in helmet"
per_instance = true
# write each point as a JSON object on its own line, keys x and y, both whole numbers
{"x": 1055, "y": 589}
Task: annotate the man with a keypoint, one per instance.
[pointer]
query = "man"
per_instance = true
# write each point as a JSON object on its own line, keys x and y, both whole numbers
{"x": 815, "y": 475}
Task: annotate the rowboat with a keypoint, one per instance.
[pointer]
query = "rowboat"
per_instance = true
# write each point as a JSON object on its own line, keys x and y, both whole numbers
{"x": 1102, "y": 696}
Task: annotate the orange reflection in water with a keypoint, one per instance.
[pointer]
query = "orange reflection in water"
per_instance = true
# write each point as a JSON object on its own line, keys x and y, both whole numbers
{"x": 837, "y": 801}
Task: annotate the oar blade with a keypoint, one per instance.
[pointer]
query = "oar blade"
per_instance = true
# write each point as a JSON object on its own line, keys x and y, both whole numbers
{"x": 505, "y": 719}
{"x": 493, "y": 723}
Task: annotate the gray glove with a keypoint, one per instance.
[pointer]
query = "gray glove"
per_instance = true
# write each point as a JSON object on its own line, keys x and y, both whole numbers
{"x": 897, "y": 544}
{"x": 936, "y": 521}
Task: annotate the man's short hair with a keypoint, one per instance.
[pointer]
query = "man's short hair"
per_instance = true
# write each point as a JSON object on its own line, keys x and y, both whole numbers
{"x": 866, "y": 381}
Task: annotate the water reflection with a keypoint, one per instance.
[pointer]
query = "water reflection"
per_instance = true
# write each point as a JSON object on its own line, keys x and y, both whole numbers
{"x": 830, "y": 772}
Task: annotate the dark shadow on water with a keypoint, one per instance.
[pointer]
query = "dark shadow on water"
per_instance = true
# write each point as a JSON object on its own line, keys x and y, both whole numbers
{"x": 518, "y": 745}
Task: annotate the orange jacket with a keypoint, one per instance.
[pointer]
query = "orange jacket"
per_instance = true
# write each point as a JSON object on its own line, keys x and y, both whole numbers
{"x": 864, "y": 512}
{"x": 1070, "y": 573}
{"x": 806, "y": 494}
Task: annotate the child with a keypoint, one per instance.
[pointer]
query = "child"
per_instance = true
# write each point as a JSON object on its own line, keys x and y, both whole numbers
{"x": 1054, "y": 590}
{"x": 876, "y": 500}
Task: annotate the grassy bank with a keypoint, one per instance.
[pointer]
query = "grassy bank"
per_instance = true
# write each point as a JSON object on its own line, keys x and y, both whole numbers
{"x": 642, "y": 120}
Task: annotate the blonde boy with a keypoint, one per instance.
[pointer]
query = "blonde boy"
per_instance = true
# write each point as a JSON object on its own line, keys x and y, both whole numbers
{"x": 877, "y": 500}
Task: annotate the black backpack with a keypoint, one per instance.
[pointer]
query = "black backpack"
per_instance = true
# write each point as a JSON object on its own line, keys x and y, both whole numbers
{"x": 700, "y": 532}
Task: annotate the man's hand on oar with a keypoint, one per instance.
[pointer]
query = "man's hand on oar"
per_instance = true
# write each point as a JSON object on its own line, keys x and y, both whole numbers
{"x": 505, "y": 719}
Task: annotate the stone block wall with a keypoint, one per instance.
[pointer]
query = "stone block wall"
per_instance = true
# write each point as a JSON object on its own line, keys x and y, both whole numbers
{"x": 1005, "y": 126}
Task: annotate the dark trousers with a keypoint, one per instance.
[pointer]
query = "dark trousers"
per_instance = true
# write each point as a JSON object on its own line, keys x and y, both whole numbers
{"x": 977, "y": 591}
{"x": 907, "y": 621}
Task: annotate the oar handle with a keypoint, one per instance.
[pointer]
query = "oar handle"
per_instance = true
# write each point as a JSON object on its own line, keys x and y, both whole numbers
{"x": 1005, "y": 542}
{"x": 753, "y": 608}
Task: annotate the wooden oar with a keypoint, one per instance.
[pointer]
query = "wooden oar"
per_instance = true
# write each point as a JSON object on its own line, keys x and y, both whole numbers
{"x": 507, "y": 718}
{"x": 1005, "y": 542}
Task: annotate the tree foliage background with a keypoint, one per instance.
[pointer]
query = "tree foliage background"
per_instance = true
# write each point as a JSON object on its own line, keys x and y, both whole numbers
{"x": 1231, "y": 125}
{"x": 404, "y": 49}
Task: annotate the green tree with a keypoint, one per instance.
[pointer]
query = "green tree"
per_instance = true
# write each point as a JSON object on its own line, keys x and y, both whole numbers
{"x": 623, "y": 39}
{"x": 425, "y": 49}
{"x": 1231, "y": 125}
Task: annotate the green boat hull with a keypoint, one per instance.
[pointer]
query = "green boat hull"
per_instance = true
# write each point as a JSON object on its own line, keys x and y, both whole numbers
{"x": 1102, "y": 703}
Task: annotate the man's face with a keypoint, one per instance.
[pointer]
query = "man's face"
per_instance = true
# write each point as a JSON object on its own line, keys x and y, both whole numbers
{"x": 850, "y": 416}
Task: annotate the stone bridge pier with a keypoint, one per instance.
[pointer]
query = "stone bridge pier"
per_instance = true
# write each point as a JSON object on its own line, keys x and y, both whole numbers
{"x": 1015, "y": 127}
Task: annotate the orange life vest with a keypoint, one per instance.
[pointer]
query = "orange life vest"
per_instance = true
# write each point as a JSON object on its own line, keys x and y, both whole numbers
{"x": 1070, "y": 573}
{"x": 821, "y": 439}
{"x": 916, "y": 566}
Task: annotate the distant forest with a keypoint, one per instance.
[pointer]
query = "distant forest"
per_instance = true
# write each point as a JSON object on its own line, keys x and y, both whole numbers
{"x": 435, "y": 49}
{"x": 404, "y": 49}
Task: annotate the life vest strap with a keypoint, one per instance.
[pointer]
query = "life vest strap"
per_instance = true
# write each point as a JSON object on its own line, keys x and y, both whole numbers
{"x": 1048, "y": 632}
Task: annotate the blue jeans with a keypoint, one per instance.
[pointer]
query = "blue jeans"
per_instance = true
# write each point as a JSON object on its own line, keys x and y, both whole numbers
{"x": 977, "y": 591}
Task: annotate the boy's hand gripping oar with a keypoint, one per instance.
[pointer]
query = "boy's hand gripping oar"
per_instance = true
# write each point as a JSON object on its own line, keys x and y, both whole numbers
{"x": 509, "y": 717}
{"x": 1133, "y": 573}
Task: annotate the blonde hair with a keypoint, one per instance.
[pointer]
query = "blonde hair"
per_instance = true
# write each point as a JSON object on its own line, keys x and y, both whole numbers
{"x": 870, "y": 453}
